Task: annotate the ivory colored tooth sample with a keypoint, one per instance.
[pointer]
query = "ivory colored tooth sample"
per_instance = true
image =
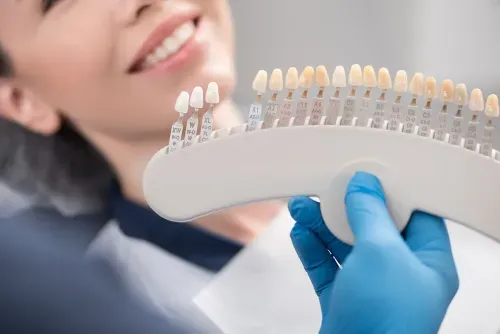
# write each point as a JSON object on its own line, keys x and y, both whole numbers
{"x": 400, "y": 87}
{"x": 460, "y": 96}
{"x": 384, "y": 83}
{"x": 447, "y": 91}
{"x": 417, "y": 84}
{"x": 476, "y": 102}
{"x": 430, "y": 88}
{"x": 182, "y": 103}
{"x": 426, "y": 123}
{"x": 492, "y": 109}
{"x": 476, "y": 105}
{"x": 446, "y": 96}
{"x": 401, "y": 82}
{"x": 322, "y": 78}
{"x": 260, "y": 82}
{"x": 276, "y": 81}
{"x": 306, "y": 79}
{"x": 355, "y": 76}
{"x": 416, "y": 88}
{"x": 292, "y": 79}
{"x": 339, "y": 79}
{"x": 384, "y": 79}
{"x": 369, "y": 77}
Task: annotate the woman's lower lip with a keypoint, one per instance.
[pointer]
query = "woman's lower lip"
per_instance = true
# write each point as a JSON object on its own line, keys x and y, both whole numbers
{"x": 190, "y": 51}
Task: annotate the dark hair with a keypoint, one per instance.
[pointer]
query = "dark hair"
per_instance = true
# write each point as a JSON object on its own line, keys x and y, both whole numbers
{"x": 63, "y": 171}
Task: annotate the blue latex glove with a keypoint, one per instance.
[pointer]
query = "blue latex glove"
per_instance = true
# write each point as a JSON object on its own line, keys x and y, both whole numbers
{"x": 389, "y": 283}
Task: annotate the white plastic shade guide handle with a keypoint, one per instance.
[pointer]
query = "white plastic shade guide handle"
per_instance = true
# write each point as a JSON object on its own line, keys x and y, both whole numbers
{"x": 417, "y": 173}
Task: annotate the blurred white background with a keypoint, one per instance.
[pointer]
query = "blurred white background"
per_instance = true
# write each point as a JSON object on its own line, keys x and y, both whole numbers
{"x": 455, "y": 39}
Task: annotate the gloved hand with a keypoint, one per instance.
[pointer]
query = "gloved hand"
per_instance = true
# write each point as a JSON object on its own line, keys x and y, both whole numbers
{"x": 389, "y": 283}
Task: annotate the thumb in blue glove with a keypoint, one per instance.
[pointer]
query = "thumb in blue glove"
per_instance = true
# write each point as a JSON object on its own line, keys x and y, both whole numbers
{"x": 389, "y": 283}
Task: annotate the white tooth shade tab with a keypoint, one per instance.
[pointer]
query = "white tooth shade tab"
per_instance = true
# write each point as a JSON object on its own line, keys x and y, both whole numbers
{"x": 196, "y": 98}
{"x": 212, "y": 94}
{"x": 182, "y": 103}
{"x": 339, "y": 78}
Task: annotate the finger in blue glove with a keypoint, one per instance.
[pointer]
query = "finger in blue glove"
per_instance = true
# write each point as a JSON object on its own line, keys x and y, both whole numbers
{"x": 387, "y": 284}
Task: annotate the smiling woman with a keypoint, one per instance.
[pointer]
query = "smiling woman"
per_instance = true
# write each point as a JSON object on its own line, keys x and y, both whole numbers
{"x": 86, "y": 98}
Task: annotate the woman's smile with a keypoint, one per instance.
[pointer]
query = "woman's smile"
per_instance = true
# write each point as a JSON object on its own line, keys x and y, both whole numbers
{"x": 170, "y": 46}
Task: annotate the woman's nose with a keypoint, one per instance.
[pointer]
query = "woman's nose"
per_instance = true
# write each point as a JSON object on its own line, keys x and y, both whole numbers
{"x": 129, "y": 11}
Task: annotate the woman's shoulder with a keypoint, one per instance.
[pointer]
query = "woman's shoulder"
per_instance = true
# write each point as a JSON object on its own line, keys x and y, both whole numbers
{"x": 76, "y": 230}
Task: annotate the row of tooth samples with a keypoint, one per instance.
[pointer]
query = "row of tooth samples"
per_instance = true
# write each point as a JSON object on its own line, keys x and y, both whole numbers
{"x": 194, "y": 133}
{"x": 412, "y": 119}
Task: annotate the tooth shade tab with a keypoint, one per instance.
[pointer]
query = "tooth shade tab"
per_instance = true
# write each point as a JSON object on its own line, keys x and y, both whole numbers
{"x": 276, "y": 81}
{"x": 292, "y": 79}
{"x": 170, "y": 45}
{"x": 196, "y": 98}
{"x": 476, "y": 102}
{"x": 339, "y": 79}
{"x": 260, "y": 82}
{"x": 369, "y": 77}
{"x": 447, "y": 90}
{"x": 182, "y": 103}
{"x": 212, "y": 94}
{"x": 417, "y": 84}
{"x": 492, "y": 108}
{"x": 307, "y": 78}
{"x": 401, "y": 82}
{"x": 355, "y": 76}
{"x": 460, "y": 95}
{"x": 430, "y": 88}
{"x": 384, "y": 79}
{"x": 322, "y": 78}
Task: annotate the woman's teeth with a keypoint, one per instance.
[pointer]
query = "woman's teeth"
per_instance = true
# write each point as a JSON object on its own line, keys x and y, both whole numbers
{"x": 170, "y": 45}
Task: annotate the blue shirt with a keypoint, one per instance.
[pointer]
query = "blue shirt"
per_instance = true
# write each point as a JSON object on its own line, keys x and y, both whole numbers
{"x": 184, "y": 240}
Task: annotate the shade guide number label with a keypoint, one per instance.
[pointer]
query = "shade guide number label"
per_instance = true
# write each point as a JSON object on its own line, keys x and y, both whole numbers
{"x": 254, "y": 116}
{"x": 378, "y": 115}
{"x": 348, "y": 114}
{"x": 206, "y": 126}
{"x": 363, "y": 113}
{"x": 456, "y": 131}
{"x": 410, "y": 120}
{"x": 395, "y": 118}
{"x": 285, "y": 113}
{"x": 487, "y": 144}
{"x": 424, "y": 128}
{"x": 316, "y": 112}
{"x": 191, "y": 130}
{"x": 441, "y": 128}
{"x": 333, "y": 110}
{"x": 471, "y": 138}
{"x": 301, "y": 114}
{"x": 271, "y": 114}
{"x": 175, "y": 137}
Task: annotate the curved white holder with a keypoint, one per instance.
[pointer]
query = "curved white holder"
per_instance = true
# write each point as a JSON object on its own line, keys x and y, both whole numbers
{"x": 242, "y": 167}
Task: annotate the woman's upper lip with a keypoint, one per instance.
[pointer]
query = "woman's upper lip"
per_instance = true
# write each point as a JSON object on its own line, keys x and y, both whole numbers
{"x": 162, "y": 31}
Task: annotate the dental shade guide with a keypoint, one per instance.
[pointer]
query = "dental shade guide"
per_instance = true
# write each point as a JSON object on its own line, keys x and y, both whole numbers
{"x": 242, "y": 165}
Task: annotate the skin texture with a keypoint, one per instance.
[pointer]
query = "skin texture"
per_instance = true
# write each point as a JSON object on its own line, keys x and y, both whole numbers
{"x": 73, "y": 60}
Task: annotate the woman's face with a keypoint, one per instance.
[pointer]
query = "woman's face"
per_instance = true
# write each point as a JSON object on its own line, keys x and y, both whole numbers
{"x": 117, "y": 66}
